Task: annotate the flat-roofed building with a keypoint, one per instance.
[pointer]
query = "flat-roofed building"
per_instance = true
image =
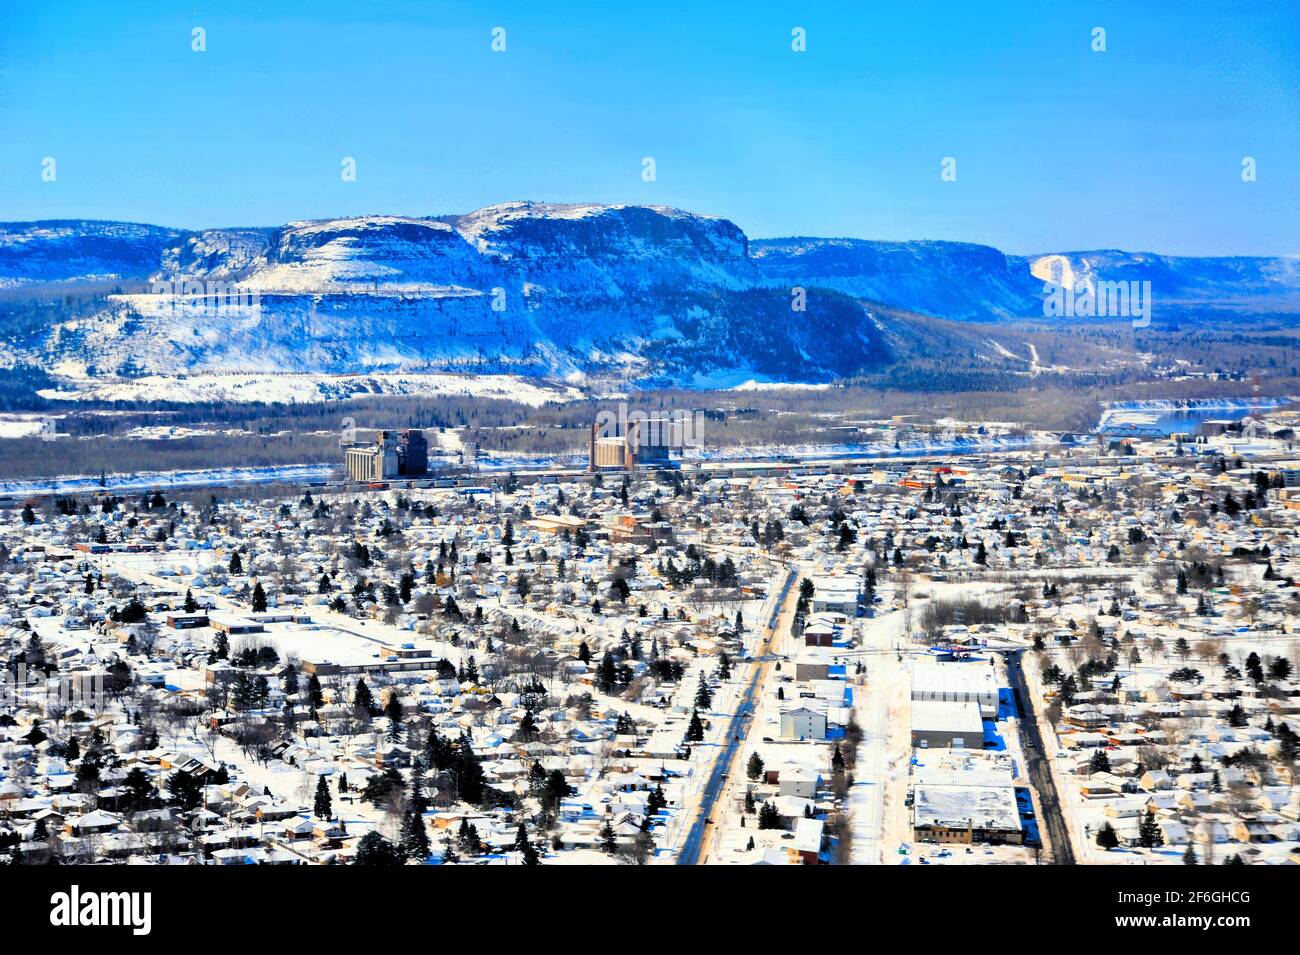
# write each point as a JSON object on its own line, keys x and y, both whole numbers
{"x": 947, "y": 725}
{"x": 838, "y": 594}
{"x": 236, "y": 626}
{"x": 556, "y": 523}
{"x": 187, "y": 621}
{"x": 966, "y": 814}
{"x": 966, "y": 681}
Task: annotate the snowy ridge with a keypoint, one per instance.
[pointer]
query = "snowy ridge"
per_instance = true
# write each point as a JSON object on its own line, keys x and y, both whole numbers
{"x": 1237, "y": 283}
{"x": 535, "y": 289}
{"x": 543, "y": 290}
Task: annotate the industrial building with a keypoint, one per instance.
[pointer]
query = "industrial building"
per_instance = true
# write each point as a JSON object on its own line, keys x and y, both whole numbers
{"x": 382, "y": 455}
{"x": 969, "y": 681}
{"x": 641, "y": 443}
{"x": 947, "y": 725}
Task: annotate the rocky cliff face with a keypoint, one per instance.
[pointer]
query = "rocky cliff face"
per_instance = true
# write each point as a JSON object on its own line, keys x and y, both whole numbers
{"x": 537, "y": 288}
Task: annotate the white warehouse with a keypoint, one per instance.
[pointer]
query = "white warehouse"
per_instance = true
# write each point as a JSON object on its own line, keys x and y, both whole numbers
{"x": 968, "y": 681}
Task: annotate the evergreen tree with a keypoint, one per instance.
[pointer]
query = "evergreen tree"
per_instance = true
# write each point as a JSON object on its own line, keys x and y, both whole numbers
{"x": 695, "y": 729}
{"x": 754, "y": 768}
{"x": 1107, "y": 837}
{"x": 467, "y": 838}
{"x": 607, "y": 840}
{"x": 362, "y": 698}
{"x": 415, "y": 836}
{"x": 703, "y": 698}
{"x": 527, "y": 726}
{"x": 837, "y": 762}
{"x": 393, "y": 707}
{"x": 1099, "y": 763}
{"x": 656, "y": 802}
{"x": 1149, "y": 834}
{"x": 315, "y": 695}
{"x": 323, "y": 808}
{"x": 1254, "y": 669}
{"x": 553, "y": 790}
{"x": 395, "y": 730}
{"x": 606, "y": 674}
{"x": 468, "y": 772}
{"x": 527, "y": 851}
{"x": 185, "y": 789}
{"x": 374, "y": 849}
{"x": 140, "y": 794}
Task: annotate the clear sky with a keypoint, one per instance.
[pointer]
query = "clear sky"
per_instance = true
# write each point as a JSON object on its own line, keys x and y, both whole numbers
{"x": 1058, "y": 147}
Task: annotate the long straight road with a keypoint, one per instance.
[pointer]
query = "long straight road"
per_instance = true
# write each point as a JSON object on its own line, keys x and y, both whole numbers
{"x": 866, "y": 799}
{"x": 695, "y": 849}
{"x": 1040, "y": 772}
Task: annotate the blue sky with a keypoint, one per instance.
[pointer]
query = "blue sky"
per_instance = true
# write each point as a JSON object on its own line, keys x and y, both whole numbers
{"x": 1057, "y": 147}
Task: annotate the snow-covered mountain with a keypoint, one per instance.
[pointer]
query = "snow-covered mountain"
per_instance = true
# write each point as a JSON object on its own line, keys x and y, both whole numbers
{"x": 555, "y": 290}
{"x": 542, "y": 289}
{"x": 59, "y": 250}
{"x": 1240, "y": 284}
{"x": 956, "y": 280}
{"x": 965, "y": 282}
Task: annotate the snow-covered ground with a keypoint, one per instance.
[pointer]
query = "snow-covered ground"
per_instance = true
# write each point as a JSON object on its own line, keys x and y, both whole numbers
{"x": 160, "y": 479}
{"x": 880, "y": 704}
{"x": 22, "y": 425}
{"x": 296, "y": 388}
